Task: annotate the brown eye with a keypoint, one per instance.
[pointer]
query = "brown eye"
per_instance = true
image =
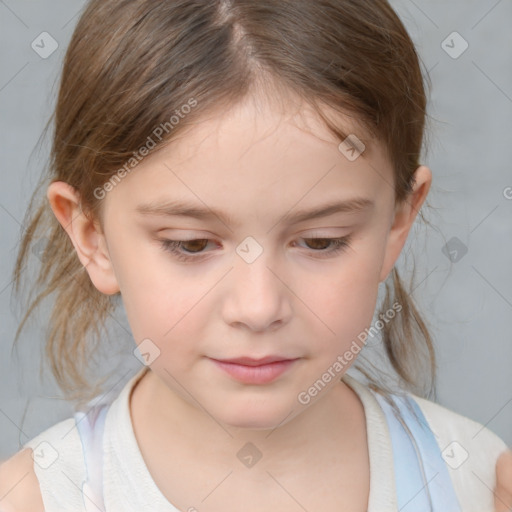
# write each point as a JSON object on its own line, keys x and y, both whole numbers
{"x": 325, "y": 247}
{"x": 318, "y": 243}
{"x": 176, "y": 247}
{"x": 196, "y": 245}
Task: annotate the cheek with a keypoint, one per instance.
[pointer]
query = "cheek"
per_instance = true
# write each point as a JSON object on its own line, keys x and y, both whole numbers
{"x": 168, "y": 311}
{"x": 158, "y": 297}
{"x": 344, "y": 299}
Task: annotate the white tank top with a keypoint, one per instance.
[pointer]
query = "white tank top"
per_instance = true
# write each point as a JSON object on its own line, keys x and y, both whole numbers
{"x": 128, "y": 486}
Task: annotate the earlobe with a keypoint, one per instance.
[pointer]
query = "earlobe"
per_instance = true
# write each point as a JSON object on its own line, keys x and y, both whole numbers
{"x": 404, "y": 219}
{"x": 85, "y": 235}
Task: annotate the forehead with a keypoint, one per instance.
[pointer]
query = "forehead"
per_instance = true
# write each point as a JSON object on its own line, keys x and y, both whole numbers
{"x": 259, "y": 159}
{"x": 257, "y": 124}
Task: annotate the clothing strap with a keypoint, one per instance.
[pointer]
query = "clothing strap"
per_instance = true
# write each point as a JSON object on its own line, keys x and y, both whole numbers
{"x": 423, "y": 483}
{"x": 90, "y": 426}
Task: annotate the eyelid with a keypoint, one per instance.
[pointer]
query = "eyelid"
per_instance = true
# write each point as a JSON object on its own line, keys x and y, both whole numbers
{"x": 338, "y": 246}
{"x": 313, "y": 233}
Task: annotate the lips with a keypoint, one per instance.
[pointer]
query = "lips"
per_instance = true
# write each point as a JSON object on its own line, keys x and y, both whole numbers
{"x": 249, "y": 361}
{"x": 255, "y": 371}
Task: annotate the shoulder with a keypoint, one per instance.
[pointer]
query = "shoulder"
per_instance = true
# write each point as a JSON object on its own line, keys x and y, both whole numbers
{"x": 470, "y": 451}
{"x": 19, "y": 485}
{"x": 450, "y": 425}
{"x": 47, "y": 472}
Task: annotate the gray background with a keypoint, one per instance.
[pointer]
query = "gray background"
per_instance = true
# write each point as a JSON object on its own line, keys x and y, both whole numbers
{"x": 467, "y": 301}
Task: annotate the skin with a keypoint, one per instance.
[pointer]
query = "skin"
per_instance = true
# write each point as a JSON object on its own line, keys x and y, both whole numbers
{"x": 290, "y": 301}
{"x": 503, "y": 489}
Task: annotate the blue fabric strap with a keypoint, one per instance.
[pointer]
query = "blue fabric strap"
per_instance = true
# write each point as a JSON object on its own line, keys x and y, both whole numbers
{"x": 423, "y": 483}
{"x": 90, "y": 428}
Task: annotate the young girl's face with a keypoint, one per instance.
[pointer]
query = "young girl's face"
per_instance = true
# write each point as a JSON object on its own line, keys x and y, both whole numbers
{"x": 259, "y": 285}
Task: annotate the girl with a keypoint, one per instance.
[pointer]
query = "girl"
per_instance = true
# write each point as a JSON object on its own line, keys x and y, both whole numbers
{"x": 244, "y": 175}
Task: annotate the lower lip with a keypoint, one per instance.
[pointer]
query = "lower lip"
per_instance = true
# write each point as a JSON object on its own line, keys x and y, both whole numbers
{"x": 262, "y": 374}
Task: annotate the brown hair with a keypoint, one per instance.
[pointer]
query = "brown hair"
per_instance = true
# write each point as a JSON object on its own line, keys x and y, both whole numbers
{"x": 131, "y": 64}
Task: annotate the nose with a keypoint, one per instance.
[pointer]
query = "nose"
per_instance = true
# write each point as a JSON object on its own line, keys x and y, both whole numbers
{"x": 256, "y": 295}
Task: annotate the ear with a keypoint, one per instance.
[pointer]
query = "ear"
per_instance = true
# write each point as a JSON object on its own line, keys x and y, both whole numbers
{"x": 404, "y": 218}
{"x": 85, "y": 234}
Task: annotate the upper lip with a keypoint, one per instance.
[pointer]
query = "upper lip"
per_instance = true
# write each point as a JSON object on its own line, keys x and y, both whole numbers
{"x": 249, "y": 361}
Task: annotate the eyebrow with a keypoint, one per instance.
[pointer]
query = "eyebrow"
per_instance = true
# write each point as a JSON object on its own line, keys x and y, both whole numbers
{"x": 183, "y": 209}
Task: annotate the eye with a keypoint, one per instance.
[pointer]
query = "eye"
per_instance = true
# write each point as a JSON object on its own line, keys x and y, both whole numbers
{"x": 334, "y": 245}
{"x": 328, "y": 247}
{"x": 173, "y": 246}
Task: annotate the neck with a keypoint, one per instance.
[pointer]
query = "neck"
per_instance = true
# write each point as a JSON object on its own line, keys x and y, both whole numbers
{"x": 335, "y": 420}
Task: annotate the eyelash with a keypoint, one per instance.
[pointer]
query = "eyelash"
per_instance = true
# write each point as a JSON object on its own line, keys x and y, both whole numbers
{"x": 340, "y": 245}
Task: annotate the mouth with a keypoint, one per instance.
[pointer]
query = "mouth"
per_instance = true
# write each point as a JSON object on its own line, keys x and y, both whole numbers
{"x": 255, "y": 371}
{"x": 249, "y": 361}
